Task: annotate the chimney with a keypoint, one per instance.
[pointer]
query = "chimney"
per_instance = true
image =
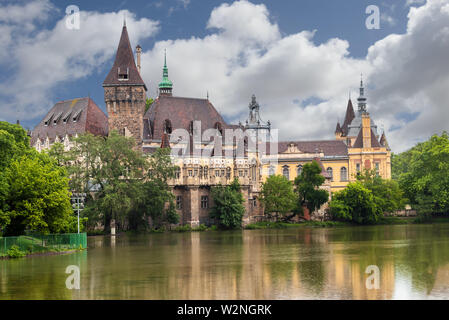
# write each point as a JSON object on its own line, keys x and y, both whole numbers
{"x": 138, "y": 53}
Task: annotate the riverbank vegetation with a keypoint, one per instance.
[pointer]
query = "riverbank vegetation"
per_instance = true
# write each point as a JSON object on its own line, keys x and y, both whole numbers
{"x": 34, "y": 191}
{"x": 121, "y": 183}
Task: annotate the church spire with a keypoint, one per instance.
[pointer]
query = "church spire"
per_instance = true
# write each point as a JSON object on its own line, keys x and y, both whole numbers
{"x": 361, "y": 100}
{"x": 165, "y": 86}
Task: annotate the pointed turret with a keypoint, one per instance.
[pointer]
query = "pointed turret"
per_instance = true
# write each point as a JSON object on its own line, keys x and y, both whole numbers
{"x": 124, "y": 71}
{"x": 165, "y": 86}
{"x": 383, "y": 141}
{"x": 361, "y": 100}
{"x": 338, "y": 128}
{"x": 349, "y": 116}
{"x": 165, "y": 143}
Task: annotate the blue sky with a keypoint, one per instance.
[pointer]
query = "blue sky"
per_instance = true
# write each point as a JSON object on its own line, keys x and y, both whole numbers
{"x": 319, "y": 69}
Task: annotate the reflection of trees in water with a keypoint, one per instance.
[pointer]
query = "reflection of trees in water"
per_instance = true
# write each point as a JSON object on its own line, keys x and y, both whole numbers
{"x": 428, "y": 250}
{"x": 40, "y": 277}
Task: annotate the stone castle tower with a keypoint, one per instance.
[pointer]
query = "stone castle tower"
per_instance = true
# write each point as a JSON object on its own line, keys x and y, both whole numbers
{"x": 125, "y": 92}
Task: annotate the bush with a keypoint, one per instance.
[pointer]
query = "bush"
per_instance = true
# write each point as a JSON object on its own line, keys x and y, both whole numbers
{"x": 228, "y": 207}
{"x": 15, "y": 252}
{"x": 184, "y": 228}
{"x": 355, "y": 204}
{"x": 201, "y": 227}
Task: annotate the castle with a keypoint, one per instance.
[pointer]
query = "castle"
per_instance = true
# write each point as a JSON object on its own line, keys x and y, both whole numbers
{"x": 209, "y": 151}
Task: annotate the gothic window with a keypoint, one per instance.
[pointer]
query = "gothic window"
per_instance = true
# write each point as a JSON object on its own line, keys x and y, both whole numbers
{"x": 217, "y": 173}
{"x": 299, "y": 170}
{"x": 253, "y": 172}
{"x": 201, "y": 172}
{"x": 330, "y": 172}
{"x": 204, "y": 202}
{"x": 178, "y": 202}
{"x": 167, "y": 126}
{"x": 228, "y": 173}
{"x": 240, "y": 173}
{"x": 357, "y": 167}
{"x": 377, "y": 164}
{"x": 344, "y": 174}
{"x": 190, "y": 173}
{"x": 206, "y": 172}
{"x": 286, "y": 172}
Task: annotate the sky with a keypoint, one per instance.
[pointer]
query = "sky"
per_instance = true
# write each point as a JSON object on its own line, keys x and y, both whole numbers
{"x": 301, "y": 58}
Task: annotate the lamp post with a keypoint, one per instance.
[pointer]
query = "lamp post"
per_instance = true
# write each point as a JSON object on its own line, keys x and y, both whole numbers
{"x": 78, "y": 204}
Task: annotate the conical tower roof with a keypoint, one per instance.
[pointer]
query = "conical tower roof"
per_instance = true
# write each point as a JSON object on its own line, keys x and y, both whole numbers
{"x": 124, "y": 71}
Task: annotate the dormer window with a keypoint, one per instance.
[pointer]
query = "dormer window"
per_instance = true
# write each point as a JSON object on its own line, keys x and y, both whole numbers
{"x": 77, "y": 115}
{"x": 55, "y": 121}
{"x": 48, "y": 120}
{"x": 123, "y": 75}
{"x": 65, "y": 119}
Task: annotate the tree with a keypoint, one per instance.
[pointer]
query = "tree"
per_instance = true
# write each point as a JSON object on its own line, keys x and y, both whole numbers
{"x": 277, "y": 195}
{"x": 356, "y": 204}
{"x": 387, "y": 193}
{"x": 38, "y": 196}
{"x": 34, "y": 193}
{"x": 228, "y": 207}
{"x": 308, "y": 188}
{"x": 422, "y": 173}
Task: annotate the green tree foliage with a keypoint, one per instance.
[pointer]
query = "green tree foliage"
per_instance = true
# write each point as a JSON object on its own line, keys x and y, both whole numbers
{"x": 387, "y": 193}
{"x": 307, "y": 187}
{"x": 156, "y": 199}
{"x": 422, "y": 173}
{"x": 38, "y": 198}
{"x": 277, "y": 196}
{"x": 148, "y": 104}
{"x": 127, "y": 186}
{"x": 355, "y": 203}
{"x": 34, "y": 192}
{"x": 228, "y": 207}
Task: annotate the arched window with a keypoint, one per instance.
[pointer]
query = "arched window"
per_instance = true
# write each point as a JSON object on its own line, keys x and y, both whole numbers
{"x": 299, "y": 170}
{"x": 344, "y": 174}
{"x": 271, "y": 171}
{"x": 330, "y": 172}
{"x": 167, "y": 126}
{"x": 286, "y": 172}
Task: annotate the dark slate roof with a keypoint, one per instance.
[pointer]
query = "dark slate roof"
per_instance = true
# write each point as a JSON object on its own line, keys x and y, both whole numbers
{"x": 330, "y": 148}
{"x": 349, "y": 116}
{"x": 124, "y": 60}
{"x": 89, "y": 118}
{"x": 383, "y": 141}
{"x": 181, "y": 112}
{"x": 359, "y": 141}
{"x": 338, "y": 128}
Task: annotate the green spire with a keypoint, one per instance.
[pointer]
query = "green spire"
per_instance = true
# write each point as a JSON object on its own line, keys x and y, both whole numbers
{"x": 165, "y": 85}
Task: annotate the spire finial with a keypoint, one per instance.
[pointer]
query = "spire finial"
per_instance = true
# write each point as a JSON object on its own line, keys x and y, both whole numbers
{"x": 124, "y": 20}
{"x": 165, "y": 86}
{"x": 361, "y": 80}
{"x": 207, "y": 94}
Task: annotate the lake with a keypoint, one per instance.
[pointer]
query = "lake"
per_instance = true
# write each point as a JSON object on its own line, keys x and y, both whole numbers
{"x": 294, "y": 263}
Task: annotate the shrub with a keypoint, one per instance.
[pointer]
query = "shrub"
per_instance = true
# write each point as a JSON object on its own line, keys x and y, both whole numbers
{"x": 184, "y": 228}
{"x": 15, "y": 252}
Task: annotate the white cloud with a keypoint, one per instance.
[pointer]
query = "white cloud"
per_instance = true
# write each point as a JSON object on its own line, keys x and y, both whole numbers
{"x": 40, "y": 61}
{"x": 244, "y": 53}
{"x": 406, "y": 74}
